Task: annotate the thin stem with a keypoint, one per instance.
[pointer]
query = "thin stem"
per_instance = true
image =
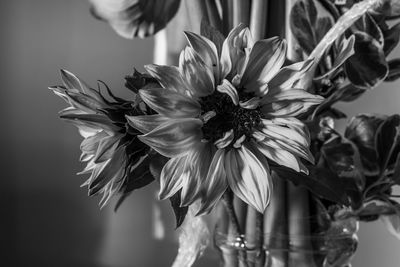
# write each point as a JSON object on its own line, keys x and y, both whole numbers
{"x": 228, "y": 201}
{"x": 227, "y": 16}
{"x": 241, "y": 12}
{"x": 258, "y": 18}
{"x": 260, "y": 257}
{"x": 213, "y": 15}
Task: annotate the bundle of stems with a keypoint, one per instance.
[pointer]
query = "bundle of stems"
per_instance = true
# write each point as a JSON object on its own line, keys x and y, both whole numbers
{"x": 289, "y": 203}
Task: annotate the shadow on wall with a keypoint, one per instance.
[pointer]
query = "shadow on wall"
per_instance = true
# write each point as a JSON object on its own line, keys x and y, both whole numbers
{"x": 48, "y": 219}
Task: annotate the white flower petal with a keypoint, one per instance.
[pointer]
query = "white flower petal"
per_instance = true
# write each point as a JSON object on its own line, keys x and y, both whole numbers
{"x": 225, "y": 140}
{"x": 174, "y": 138}
{"x": 287, "y": 77}
{"x": 146, "y": 123}
{"x": 288, "y": 103}
{"x": 233, "y": 50}
{"x": 248, "y": 176}
{"x": 199, "y": 160}
{"x": 273, "y": 129}
{"x": 199, "y": 76}
{"x": 215, "y": 184}
{"x": 70, "y": 81}
{"x": 266, "y": 58}
{"x": 207, "y": 51}
{"x": 169, "y": 103}
{"x": 169, "y": 77}
{"x": 282, "y": 157}
{"x": 172, "y": 176}
{"x": 227, "y": 88}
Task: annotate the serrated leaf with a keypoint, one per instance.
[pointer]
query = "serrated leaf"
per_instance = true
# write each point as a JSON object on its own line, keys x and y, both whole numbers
{"x": 368, "y": 66}
{"x": 394, "y": 70}
{"x": 180, "y": 212}
{"x": 361, "y": 130}
{"x": 387, "y": 138}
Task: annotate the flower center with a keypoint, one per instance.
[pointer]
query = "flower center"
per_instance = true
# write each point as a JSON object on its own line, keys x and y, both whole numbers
{"x": 228, "y": 116}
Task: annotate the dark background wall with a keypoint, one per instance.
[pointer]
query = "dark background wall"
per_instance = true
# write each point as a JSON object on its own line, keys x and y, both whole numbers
{"x": 46, "y": 218}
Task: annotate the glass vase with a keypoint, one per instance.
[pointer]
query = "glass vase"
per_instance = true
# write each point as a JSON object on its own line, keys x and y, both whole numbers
{"x": 332, "y": 246}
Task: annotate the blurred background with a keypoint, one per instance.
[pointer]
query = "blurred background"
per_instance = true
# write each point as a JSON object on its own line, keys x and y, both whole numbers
{"x": 46, "y": 218}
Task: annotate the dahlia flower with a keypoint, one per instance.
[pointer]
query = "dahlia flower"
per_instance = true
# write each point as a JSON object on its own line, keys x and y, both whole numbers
{"x": 222, "y": 114}
{"x": 116, "y": 160}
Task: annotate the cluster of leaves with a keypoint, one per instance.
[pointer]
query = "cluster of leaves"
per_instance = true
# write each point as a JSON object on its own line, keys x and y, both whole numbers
{"x": 355, "y": 172}
{"x": 357, "y": 61}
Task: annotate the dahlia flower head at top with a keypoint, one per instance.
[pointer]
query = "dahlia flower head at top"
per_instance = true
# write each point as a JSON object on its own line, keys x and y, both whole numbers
{"x": 228, "y": 109}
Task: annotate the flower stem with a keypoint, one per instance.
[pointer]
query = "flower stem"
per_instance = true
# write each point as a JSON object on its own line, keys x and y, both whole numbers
{"x": 227, "y": 16}
{"x": 234, "y": 223}
{"x": 213, "y": 15}
{"x": 241, "y": 12}
{"x": 258, "y": 18}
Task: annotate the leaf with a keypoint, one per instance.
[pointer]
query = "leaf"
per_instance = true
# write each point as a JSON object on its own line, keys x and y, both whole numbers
{"x": 392, "y": 38}
{"x": 343, "y": 160}
{"x": 368, "y": 25}
{"x": 137, "y": 81}
{"x": 396, "y": 175}
{"x": 373, "y": 209}
{"x": 180, "y": 212}
{"x": 320, "y": 181}
{"x": 346, "y": 50}
{"x": 387, "y": 138}
{"x": 394, "y": 70}
{"x": 392, "y": 222}
{"x": 361, "y": 130}
{"x": 303, "y": 18}
{"x": 135, "y": 18}
{"x": 368, "y": 66}
{"x": 389, "y": 8}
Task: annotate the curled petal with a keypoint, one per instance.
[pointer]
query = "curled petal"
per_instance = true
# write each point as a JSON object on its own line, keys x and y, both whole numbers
{"x": 169, "y": 103}
{"x": 248, "y": 176}
{"x": 207, "y": 51}
{"x": 174, "y": 138}
{"x": 234, "y": 49}
{"x": 169, "y": 77}
{"x": 70, "y": 81}
{"x": 266, "y": 58}
{"x": 135, "y": 18}
{"x": 215, "y": 184}
{"x": 227, "y": 88}
{"x": 252, "y": 103}
{"x": 172, "y": 176}
{"x": 199, "y": 76}
{"x": 225, "y": 140}
{"x": 146, "y": 123}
